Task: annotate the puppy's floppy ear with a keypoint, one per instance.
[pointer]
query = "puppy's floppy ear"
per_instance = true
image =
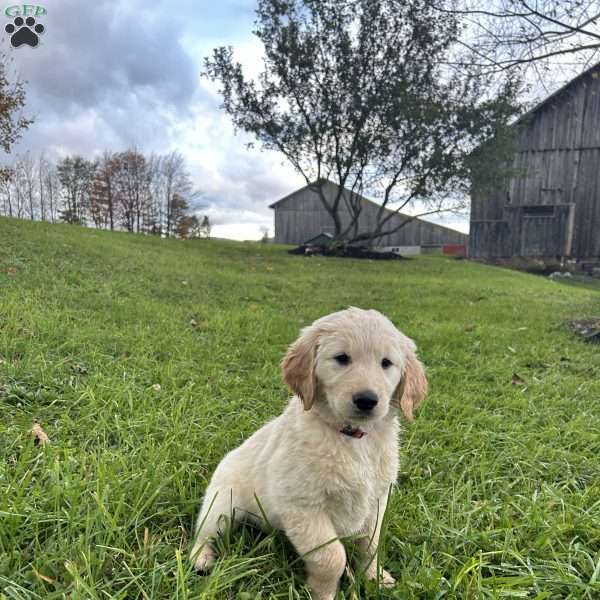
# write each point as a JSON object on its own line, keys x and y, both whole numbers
{"x": 298, "y": 367}
{"x": 412, "y": 388}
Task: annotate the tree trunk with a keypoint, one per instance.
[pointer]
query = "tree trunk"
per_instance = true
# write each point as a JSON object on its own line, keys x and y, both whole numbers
{"x": 110, "y": 205}
{"x": 51, "y": 199}
{"x": 42, "y": 207}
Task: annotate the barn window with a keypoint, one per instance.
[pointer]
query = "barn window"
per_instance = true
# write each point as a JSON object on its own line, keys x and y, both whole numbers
{"x": 550, "y": 195}
{"x": 538, "y": 210}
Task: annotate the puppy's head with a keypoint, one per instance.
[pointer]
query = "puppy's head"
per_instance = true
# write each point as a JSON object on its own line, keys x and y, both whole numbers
{"x": 357, "y": 366}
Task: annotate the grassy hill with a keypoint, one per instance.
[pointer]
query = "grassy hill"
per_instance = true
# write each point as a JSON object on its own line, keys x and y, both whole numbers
{"x": 145, "y": 360}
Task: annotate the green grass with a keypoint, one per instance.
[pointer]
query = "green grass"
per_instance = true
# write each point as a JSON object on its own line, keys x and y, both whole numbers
{"x": 499, "y": 492}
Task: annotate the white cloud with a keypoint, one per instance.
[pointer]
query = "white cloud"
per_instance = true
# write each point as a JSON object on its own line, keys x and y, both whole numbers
{"x": 241, "y": 231}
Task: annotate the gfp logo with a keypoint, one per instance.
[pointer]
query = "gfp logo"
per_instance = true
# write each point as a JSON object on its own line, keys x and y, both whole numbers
{"x": 24, "y": 31}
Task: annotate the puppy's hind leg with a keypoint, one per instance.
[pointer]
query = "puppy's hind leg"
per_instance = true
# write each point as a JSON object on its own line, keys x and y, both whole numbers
{"x": 216, "y": 512}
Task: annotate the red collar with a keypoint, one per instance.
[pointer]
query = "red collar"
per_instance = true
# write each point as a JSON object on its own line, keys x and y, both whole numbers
{"x": 354, "y": 432}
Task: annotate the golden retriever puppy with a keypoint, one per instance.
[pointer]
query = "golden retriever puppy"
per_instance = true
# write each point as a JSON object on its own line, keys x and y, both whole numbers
{"x": 322, "y": 470}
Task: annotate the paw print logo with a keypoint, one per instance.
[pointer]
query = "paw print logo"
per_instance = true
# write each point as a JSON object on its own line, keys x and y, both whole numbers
{"x": 24, "y": 32}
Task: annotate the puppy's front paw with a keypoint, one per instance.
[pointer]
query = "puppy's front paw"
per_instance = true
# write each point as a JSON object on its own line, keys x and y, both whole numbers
{"x": 205, "y": 560}
{"x": 385, "y": 579}
{"x": 315, "y": 595}
{"x": 322, "y": 590}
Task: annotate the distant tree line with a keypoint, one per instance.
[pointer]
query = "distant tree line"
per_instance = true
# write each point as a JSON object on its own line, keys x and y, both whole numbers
{"x": 125, "y": 191}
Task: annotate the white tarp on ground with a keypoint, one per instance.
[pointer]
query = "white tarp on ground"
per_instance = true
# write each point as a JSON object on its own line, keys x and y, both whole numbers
{"x": 403, "y": 250}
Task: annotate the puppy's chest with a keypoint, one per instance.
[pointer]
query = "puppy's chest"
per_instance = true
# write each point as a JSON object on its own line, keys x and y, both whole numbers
{"x": 354, "y": 483}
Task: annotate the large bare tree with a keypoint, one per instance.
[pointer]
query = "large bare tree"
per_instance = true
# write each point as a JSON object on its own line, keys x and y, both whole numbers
{"x": 540, "y": 37}
{"x": 175, "y": 185}
{"x": 26, "y": 170}
{"x": 103, "y": 204}
{"x": 132, "y": 186}
{"x": 360, "y": 92}
{"x": 50, "y": 188}
{"x": 76, "y": 175}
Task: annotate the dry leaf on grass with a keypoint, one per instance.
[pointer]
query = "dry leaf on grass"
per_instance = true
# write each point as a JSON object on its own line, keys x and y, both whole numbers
{"x": 43, "y": 577}
{"x": 516, "y": 380}
{"x": 79, "y": 368}
{"x": 41, "y": 438}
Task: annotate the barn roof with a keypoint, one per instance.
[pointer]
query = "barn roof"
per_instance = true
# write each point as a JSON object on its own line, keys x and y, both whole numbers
{"x": 291, "y": 194}
{"x": 364, "y": 199}
{"x": 560, "y": 91}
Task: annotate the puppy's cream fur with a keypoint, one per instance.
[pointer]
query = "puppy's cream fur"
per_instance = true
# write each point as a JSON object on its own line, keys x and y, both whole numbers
{"x": 312, "y": 481}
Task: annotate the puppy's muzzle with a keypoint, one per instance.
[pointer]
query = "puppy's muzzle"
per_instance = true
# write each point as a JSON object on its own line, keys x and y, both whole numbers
{"x": 365, "y": 401}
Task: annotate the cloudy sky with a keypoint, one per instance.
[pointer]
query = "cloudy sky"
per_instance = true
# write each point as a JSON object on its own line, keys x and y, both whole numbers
{"x": 115, "y": 74}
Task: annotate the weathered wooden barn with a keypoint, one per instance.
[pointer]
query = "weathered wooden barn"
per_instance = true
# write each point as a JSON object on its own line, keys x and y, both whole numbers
{"x": 548, "y": 206}
{"x": 300, "y": 216}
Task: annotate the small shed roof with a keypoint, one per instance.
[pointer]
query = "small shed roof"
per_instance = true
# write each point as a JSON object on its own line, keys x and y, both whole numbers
{"x": 322, "y": 238}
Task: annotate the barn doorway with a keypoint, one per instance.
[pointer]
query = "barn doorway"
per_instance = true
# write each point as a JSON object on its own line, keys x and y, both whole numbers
{"x": 545, "y": 229}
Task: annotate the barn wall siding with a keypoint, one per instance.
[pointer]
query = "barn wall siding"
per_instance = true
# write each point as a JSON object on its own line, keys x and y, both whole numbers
{"x": 557, "y": 162}
{"x": 301, "y": 216}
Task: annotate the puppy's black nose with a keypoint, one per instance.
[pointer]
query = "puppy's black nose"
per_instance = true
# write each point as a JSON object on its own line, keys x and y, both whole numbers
{"x": 365, "y": 400}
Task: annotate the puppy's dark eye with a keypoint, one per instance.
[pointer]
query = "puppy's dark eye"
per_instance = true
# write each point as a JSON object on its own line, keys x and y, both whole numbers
{"x": 342, "y": 359}
{"x": 386, "y": 363}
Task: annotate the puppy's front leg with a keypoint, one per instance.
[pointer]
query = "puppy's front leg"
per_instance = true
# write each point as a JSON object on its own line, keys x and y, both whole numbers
{"x": 369, "y": 544}
{"x": 315, "y": 539}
